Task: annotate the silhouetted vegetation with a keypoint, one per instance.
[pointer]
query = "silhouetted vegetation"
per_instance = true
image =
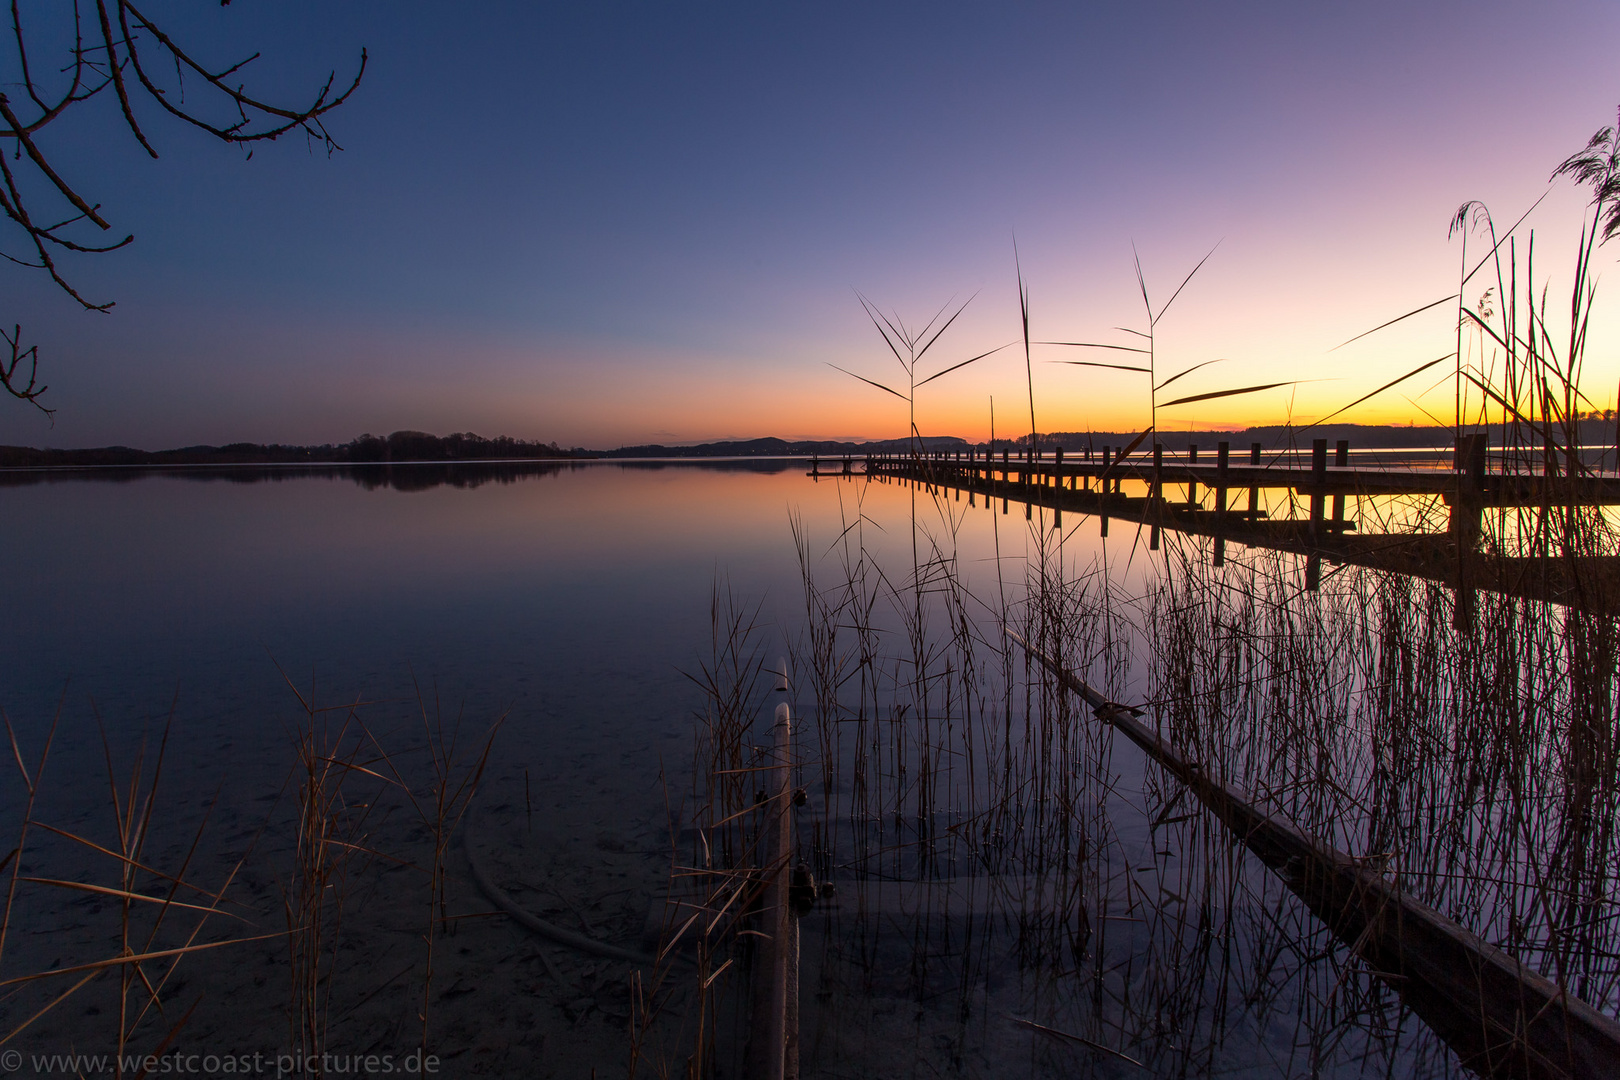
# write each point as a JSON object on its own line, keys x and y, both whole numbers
{"x": 461, "y": 446}
{"x": 1448, "y": 743}
{"x": 401, "y": 446}
{"x": 62, "y": 59}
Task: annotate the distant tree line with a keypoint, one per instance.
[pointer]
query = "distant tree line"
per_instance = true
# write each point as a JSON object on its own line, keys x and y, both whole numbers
{"x": 461, "y": 446}
{"x": 401, "y": 446}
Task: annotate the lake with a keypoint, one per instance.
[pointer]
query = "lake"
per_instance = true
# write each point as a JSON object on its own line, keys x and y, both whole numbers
{"x": 578, "y": 604}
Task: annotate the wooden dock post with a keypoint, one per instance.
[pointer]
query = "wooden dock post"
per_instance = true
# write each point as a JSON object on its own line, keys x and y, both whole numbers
{"x": 1223, "y": 452}
{"x": 1467, "y": 520}
{"x": 1318, "y": 486}
{"x": 1254, "y": 490}
{"x": 1467, "y": 509}
{"x": 773, "y": 1041}
{"x": 1313, "y": 560}
{"x": 1006, "y": 476}
{"x": 1341, "y": 460}
{"x": 1156, "y": 495}
{"x": 1057, "y": 482}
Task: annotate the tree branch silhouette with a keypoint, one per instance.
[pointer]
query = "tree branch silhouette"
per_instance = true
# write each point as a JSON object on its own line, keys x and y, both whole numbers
{"x": 117, "y": 46}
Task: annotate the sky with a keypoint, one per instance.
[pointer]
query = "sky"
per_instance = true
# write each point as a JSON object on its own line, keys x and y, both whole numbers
{"x": 618, "y": 223}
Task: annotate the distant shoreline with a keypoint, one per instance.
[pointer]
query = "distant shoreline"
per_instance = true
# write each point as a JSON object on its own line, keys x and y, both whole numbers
{"x": 419, "y": 448}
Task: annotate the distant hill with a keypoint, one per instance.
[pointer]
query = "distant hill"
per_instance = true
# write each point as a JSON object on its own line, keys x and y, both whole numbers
{"x": 770, "y": 447}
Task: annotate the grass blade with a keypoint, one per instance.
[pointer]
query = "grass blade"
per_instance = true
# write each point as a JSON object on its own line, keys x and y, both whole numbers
{"x": 1393, "y": 382}
{"x": 1189, "y": 371}
{"x": 942, "y": 329}
{"x": 868, "y": 382}
{"x": 1183, "y": 284}
{"x": 126, "y": 894}
{"x": 1123, "y": 454}
{"x": 1093, "y": 363}
{"x": 1392, "y": 322}
{"x": 1228, "y": 393}
{"x": 1092, "y": 345}
{"x": 136, "y": 958}
{"x": 879, "y": 321}
{"x": 963, "y": 364}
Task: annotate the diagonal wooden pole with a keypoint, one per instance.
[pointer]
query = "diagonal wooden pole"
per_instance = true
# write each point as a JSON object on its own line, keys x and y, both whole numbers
{"x": 1503, "y": 1018}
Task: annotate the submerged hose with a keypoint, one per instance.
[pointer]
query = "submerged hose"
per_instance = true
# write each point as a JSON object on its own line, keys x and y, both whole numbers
{"x": 551, "y": 931}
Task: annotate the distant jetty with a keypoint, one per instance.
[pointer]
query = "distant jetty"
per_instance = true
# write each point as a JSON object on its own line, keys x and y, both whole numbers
{"x": 1593, "y": 432}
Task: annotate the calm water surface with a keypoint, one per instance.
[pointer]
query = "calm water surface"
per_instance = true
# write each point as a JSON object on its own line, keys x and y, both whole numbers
{"x": 575, "y": 601}
{"x": 575, "y": 597}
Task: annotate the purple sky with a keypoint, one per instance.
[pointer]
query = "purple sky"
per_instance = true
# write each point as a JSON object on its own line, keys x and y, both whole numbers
{"x": 624, "y": 223}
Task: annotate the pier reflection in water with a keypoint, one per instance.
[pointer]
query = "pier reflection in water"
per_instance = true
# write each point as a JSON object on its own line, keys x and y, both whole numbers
{"x": 1018, "y": 892}
{"x": 1423, "y": 518}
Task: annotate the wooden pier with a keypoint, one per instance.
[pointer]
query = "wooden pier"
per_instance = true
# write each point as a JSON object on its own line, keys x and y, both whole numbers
{"x": 1469, "y": 478}
{"x": 1093, "y": 486}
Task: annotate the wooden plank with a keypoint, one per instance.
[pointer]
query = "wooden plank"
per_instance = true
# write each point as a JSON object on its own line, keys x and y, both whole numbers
{"x": 1501, "y": 1017}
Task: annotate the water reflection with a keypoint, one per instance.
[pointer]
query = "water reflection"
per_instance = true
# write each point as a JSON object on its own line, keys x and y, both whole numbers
{"x": 1020, "y": 893}
{"x": 569, "y": 598}
{"x": 1054, "y": 878}
{"x": 400, "y": 476}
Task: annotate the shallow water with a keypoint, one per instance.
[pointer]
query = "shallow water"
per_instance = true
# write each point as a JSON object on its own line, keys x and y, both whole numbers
{"x": 575, "y": 602}
{"x": 572, "y": 600}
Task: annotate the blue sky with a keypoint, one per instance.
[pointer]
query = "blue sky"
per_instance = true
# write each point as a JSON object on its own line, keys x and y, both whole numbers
{"x": 617, "y": 223}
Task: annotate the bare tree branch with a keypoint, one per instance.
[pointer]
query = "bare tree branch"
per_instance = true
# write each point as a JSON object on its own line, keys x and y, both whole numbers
{"x": 117, "y": 40}
{"x": 31, "y": 391}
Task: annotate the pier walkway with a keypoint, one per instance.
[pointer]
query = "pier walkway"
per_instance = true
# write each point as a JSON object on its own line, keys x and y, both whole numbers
{"x": 1171, "y": 499}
